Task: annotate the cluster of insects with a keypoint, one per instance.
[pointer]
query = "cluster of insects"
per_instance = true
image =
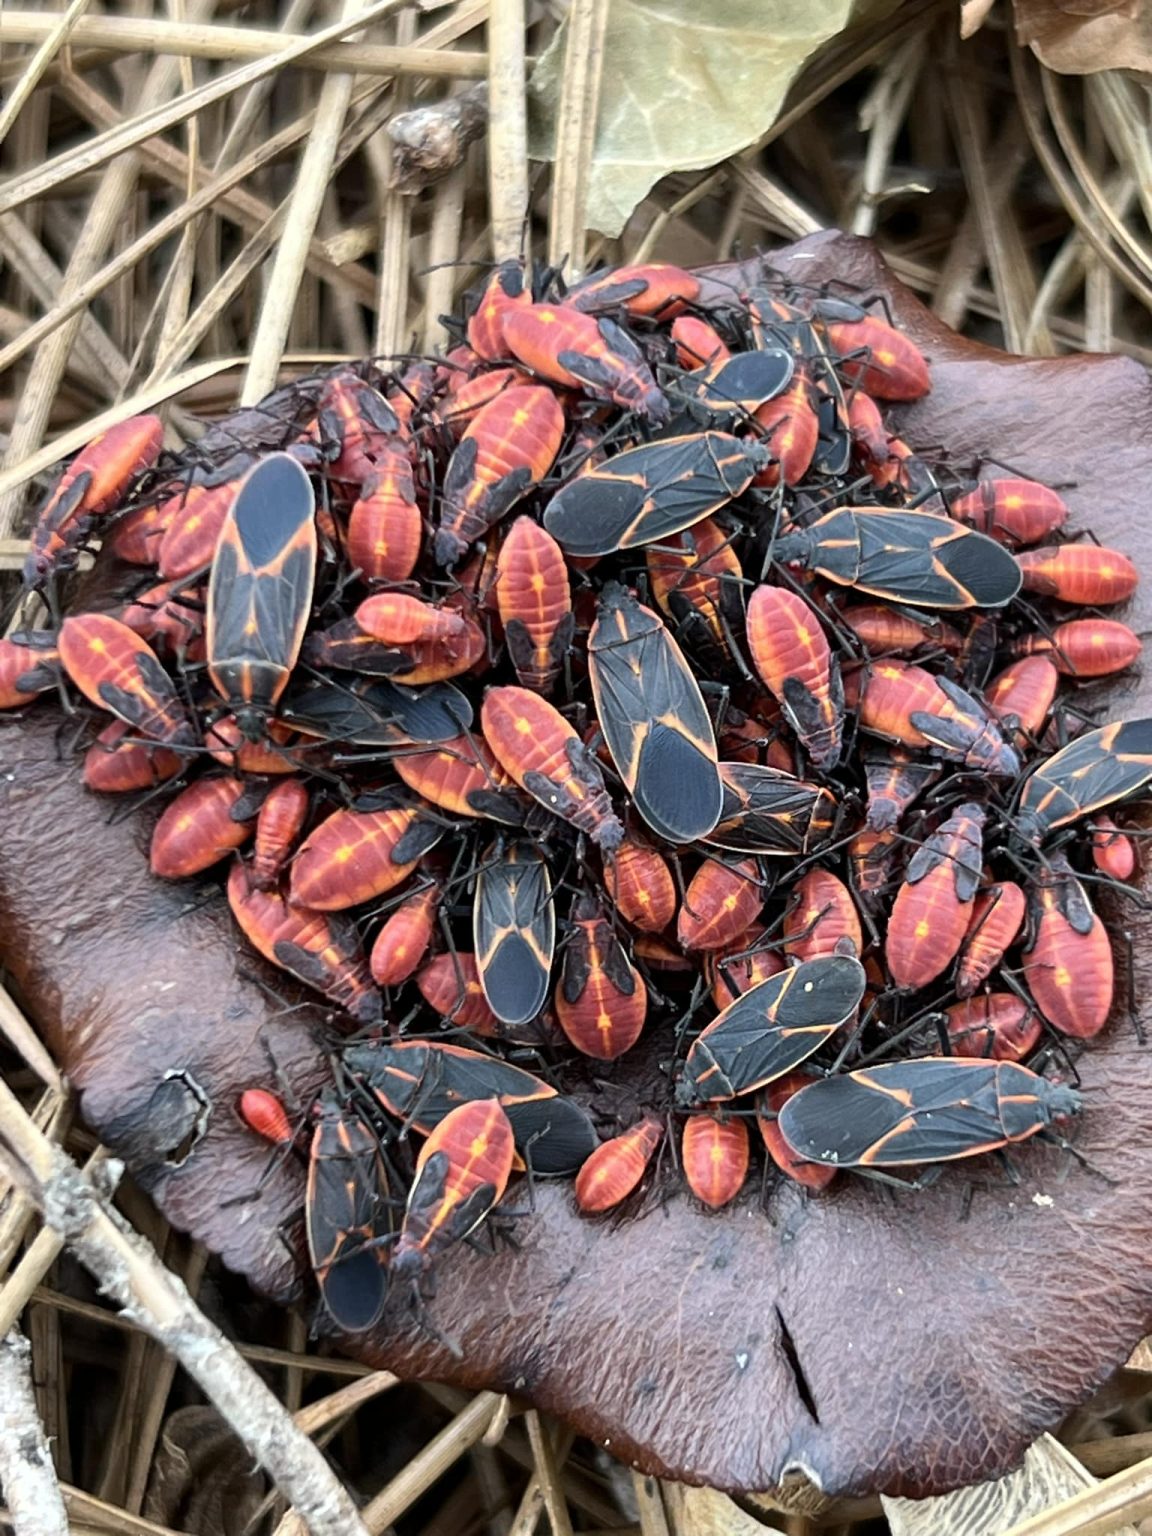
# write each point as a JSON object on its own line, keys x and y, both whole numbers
{"x": 633, "y": 739}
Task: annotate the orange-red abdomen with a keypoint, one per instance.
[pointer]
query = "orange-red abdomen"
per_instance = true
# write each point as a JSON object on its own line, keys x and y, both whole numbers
{"x": 714, "y": 1153}
{"x": 450, "y": 985}
{"x": 884, "y": 631}
{"x": 351, "y": 857}
{"x": 998, "y": 1025}
{"x": 1022, "y": 695}
{"x": 193, "y": 520}
{"x": 791, "y": 431}
{"x": 813, "y": 1176}
{"x": 263, "y": 1113}
{"x": 535, "y": 744}
{"x": 384, "y": 527}
{"x": 395, "y": 618}
{"x": 721, "y": 901}
{"x": 1068, "y": 968}
{"x": 616, "y": 1167}
{"x": 504, "y": 290}
{"x": 116, "y": 766}
{"x": 277, "y": 828}
{"x": 454, "y": 775}
{"x": 740, "y": 966}
{"x": 879, "y": 358}
{"x": 791, "y": 653}
{"x": 1011, "y": 511}
{"x": 933, "y": 908}
{"x": 1085, "y": 647}
{"x": 461, "y": 1172}
{"x": 1113, "y": 851}
{"x": 26, "y": 670}
{"x": 640, "y": 883}
{"x": 997, "y": 917}
{"x": 821, "y": 918}
{"x": 1079, "y": 573}
{"x": 117, "y": 671}
{"x": 198, "y": 829}
{"x": 697, "y": 343}
{"x": 648, "y": 288}
{"x": 227, "y": 743}
{"x": 697, "y": 571}
{"x": 567, "y": 347}
{"x": 601, "y": 1000}
{"x": 403, "y": 941}
{"x": 535, "y": 603}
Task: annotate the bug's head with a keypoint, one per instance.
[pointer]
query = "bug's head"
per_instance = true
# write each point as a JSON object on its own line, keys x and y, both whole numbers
{"x": 686, "y": 1093}
{"x": 36, "y": 568}
{"x": 1064, "y": 1102}
{"x": 253, "y": 723}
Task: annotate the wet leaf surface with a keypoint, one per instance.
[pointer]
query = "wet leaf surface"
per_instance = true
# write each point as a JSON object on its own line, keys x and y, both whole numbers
{"x": 901, "y": 1342}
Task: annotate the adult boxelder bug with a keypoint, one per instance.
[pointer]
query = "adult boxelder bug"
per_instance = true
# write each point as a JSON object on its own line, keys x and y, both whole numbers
{"x": 641, "y": 886}
{"x": 514, "y": 930}
{"x": 354, "y": 855}
{"x": 997, "y": 917}
{"x": 418, "y": 1082}
{"x": 925, "y": 1110}
{"x": 535, "y": 603}
{"x": 320, "y": 949}
{"x": 260, "y": 589}
{"x": 116, "y": 670}
{"x": 601, "y": 999}
{"x": 933, "y": 908}
{"x": 369, "y": 712}
{"x": 1068, "y": 965}
{"x": 384, "y": 526}
{"x": 1097, "y": 769}
{"x": 91, "y": 485}
{"x": 821, "y": 918}
{"x": 345, "y": 1217}
{"x": 29, "y": 665}
{"x": 1079, "y": 573}
{"x": 1011, "y": 511}
{"x": 644, "y": 494}
{"x": 720, "y": 902}
{"x": 461, "y": 1173}
{"x": 714, "y": 1154}
{"x": 995, "y": 1025}
{"x": 616, "y": 1167}
{"x": 791, "y": 653}
{"x": 652, "y": 714}
{"x": 534, "y": 743}
{"x": 907, "y": 557}
{"x": 768, "y": 811}
{"x": 732, "y": 389}
{"x": 509, "y": 447}
{"x": 199, "y": 828}
{"x": 403, "y": 941}
{"x": 277, "y": 828}
{"x": 770, "y": 1029}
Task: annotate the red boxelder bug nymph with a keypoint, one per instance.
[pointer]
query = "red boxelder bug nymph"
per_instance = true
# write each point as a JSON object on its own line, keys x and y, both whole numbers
{"x": 821, "y": 918}
{"x": 29, "y": 665}
{"x": 535, "y": 603}
{"x": 929, "y": 1110}
{"x": 641, "y": 886}
{"x": 997, "y": 917}
{"x": 616, "y": 1167}
{"x": 260, "y": 589}
{"x": 995, "y": 1025}
{"x": 277, "y": 827}
{"x": 770, "y": 1029}
{"x": 714, "y": 1154}
{"x": 116, "y": 670}
{"x": 1068, "y": 964}
{"x": 601, "y": 999}
{"x": 791, "y": 653}
{"x": 654, "y": 720}
{"x": 198, "y": 828}
{"x": 403, "y": 941}
{"x": 933, "y": 908}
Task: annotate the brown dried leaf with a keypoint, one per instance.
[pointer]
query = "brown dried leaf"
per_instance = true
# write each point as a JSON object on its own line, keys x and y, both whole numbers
{"x": 907, "y": 1344}
{"x": 202, "y": 1480}
{"x": 1082, "y": 37}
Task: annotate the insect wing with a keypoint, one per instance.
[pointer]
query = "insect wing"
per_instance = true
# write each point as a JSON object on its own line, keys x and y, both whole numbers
{"x": 368, "y": 713}
{"x": 768, "y": 811}
{"x": 554, "y": 1136}
{"x": 1095, "y": 770}
{"x": 920, "y": 559}
{"x": 514, "y": 925}
{"x": 260, "y": 590}
{"x": 342, "y": 1212}
{"x": 653, "y": 718}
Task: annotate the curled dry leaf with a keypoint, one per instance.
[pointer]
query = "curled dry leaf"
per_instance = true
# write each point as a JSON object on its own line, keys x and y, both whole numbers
{"x": 906, "y": 1344}
{"x": 1082, "y": 37}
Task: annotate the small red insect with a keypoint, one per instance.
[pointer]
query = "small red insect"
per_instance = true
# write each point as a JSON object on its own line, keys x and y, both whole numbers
{"x": 395, "y": 618}
{"x": 1022, "y": 696}
{"x": 878, "y": 358}
{"x": 654, "y": 288}
{"x": 384, "y": 527}
{"x": 90, "y": 487}
{"x": 714, "y": 1154}
{"x": 358, "y": 422}
{"x": 1011, "y": 511}
{"x": 450, "y": 985}
{"x": 616, "y": 1167}
{"x": 821, "y": 918}
{"x": 872, "y": 855}
{"x": 353, "y": 856}
{"x": 998, "y": 1025}
{"x": 792, "y": 655}
{"x": 403, "y": 941}
{"x": 742, "y": 965}
{"x": 534, "y": 743}
{"x": 115, "y": 670}
{"x": 640, "y": 883}
{"x": 907, "y": 705}
{"x": 1079, "y": 573}
{"x": 600, "y": 1000}
{"x": 869, "y": 437}
{"x": 572, "y": 349}
{"x": 814, "y": 1176}
{"x": 277, "y": 827}
{"x": 263, "y": 1113}
{"x": 697, "y": 343}
{"x": 997, "y": 917}
{"x": 460, "y": 776}
{"x": 1113, "y": 852}
{"x": 884, "y": 631}
{"x": 1068, "y": 966}
{"x": 895, "y": 779}
{"x": 790, "y": 428}
{"x": 29, "y": 665}
{"x": 933, "y": 908}
{"x": 198, "y": 828}
{"x": 535, "y": 603}
{"x": 115, "y": 764}
{"x": 721, "y": 901}
{"x": 468, "y": 396}
{"x": 696, "y": 576}
{"x": 192, "y": 520}
{"x": 169, "y": 615}
{"x": 227, "y": 743}
{"x": 1085, "y": 647}
{"x": 504, "y": 290}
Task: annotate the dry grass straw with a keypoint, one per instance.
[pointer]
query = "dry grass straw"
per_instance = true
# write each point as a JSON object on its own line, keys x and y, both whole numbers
{"x": 192, "y": 212}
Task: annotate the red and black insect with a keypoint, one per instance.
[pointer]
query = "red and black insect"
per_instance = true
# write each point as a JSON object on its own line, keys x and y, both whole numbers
{"x": 1068, "y": 964}
{"x": 997, "y": 917}
{"x": 260, "y": 589}
{"x": 514, "y": 931}
{"x": 117, "y": 671}
{"x": 768, "y": 811}
{"x": 933, "y": 908}
{"x": 1100, "y": 768}
{"x": 697, "y": 581}
{"x": 995, "y": 1025}
{"x": 1113, "y": 851}
{"x": 821, "y": 918}
{"x": 29, "y": 665}
{"x": 742, "y": 965}
{"x": 354, "y": 855}
{"x": 1011, "y": 511}
{"x": 884, "y": 631}
{"x": 419, "y": 1082}
{"x": 906, "y": 557}
{"x": 732, "y": 389}
{"x": 116, "y": 763}
{"x": 638, "y": 880}
{"x": 1022, "y": 697}
{"x": 1087, "y": 574}
{"x": 770, "y": 1030}
{"x": 539, "y": 749}
{"x": 509, "y": 447}
{"x": 873, "y": 354}
{"x": 398, "y": 619}
{"x": 928, "y": 1110}
{"x": 601, "y": 1000}
{"x": 722, "y": 899}
{"x": 278, "y": 825}
{"x": 202, "y": 825}
{"x": 89, "y": 488}
{"x": 402, "y": 943}
{"x": 462, "y": 777}
{"x": 573, "y": 349}
{"x": 450, "y": 985}
{"x": 652, "y": 288}
{"x": 1085, "y": 647}
{"x": 909, "y": 706}
{"x": 535, "y": 603}
{"x": 504, "y": 290}
{"x": 791, "y": 653}
{"x": 384, "y": 526}
{"x": 653, "y": 718}
{"x": 714, "y": 1154}
{"x": 355, "y": 424}
{"x": 895, "y": 779}
{"x": 461, "y": 1173}
{"x": 644, "y": 494}
{"x": 346, "y": 1216}
{"x": 616, "y": 1167}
